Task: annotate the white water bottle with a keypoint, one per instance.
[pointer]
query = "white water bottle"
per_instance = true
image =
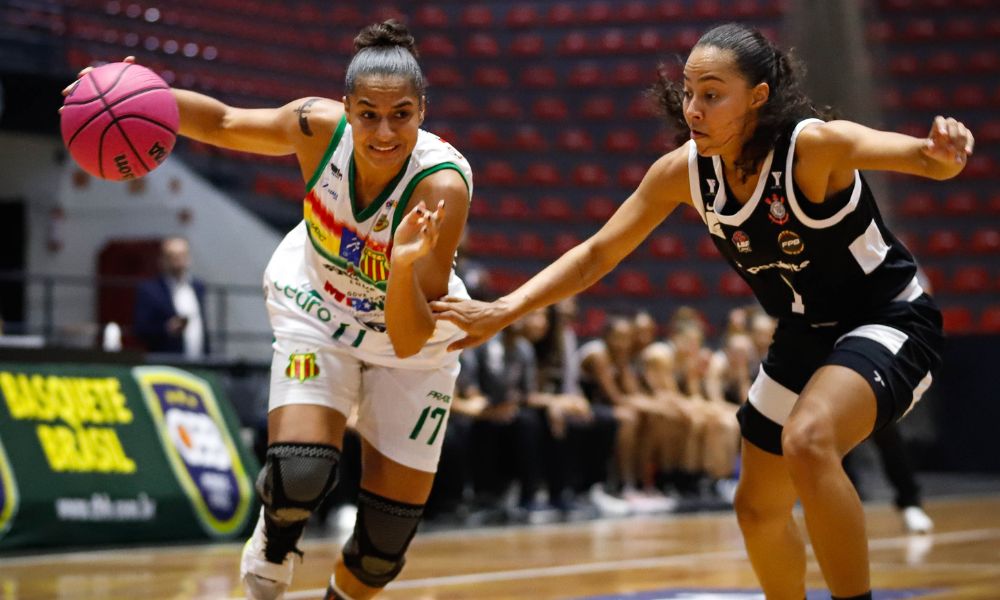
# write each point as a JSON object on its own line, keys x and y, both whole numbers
{"x": 112, "y": 338}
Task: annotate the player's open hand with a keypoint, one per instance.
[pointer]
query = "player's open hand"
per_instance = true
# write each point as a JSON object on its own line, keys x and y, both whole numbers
{"x": 417, "y": 234}
{"x": 949, "y": 142}
{"x": 480, "y": 320}
{"x": 69, "y": 88}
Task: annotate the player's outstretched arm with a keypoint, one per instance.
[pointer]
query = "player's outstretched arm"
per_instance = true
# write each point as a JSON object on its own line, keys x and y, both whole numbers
{"x": 299, "y": 125}
{"x": 662, "y": 189}
{"x": 837, "y": 148}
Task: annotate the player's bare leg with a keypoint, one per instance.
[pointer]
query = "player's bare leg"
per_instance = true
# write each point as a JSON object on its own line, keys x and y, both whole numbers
{"x": 834, "y": 413}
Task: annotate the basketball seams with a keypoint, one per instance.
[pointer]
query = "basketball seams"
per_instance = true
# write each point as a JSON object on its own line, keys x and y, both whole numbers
{"x": 108, "y": 108}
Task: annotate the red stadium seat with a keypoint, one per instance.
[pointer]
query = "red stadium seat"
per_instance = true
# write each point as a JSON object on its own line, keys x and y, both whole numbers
{"x": 984, "y": 61}
{"x": 527, "y": 138}
{"x": 919, "y": 30}
{"x": 960, "y": 204}
{"x": 477, "y": 16}
{"x": 573, "y": 43}
{"x": 530, "y": 244}
{"x": 748, "y": 9}
{"x": 917, "y": 205}
{"x": 957, "y": 319}
{"x": 598, "y": 108}
{"x": 503, "y": 107}
{"x": 985, "y": 241}
{"x": 989, "y": 321}
{"x": 631, "y": 75}
{"x": 706, "y": 248}
{"x": 599, "y": 208}
{"x": 943, "y": 63}
{"x": 586, "y": 74}
{"x": 491, "y": 76}
{"x": 634, "y": 11}
{"x": 879, "y": 31}
{"x": 527, "y": 45}
{"x": 631, "y": 175}
{"x": 970, "y": 96}
{"x": 555, "y": 208}
{"x": 453, "y": 106}
{"x": 550, "y": 108}
{"x": 480, "y": 209}
{"x": 633, "y": 282}
{"x": 942, "y": 242}
{"x": 733, "y": 286}
{"x": 562, "y": 14}
{"x": 590, "y": 175}
{"x": 435, "y": 46}
{"x": 575, "y": 140}
{"x": 661, "y": 142}
{"x": 910, "y": 240}
{"x": 612, "y": 41}
{"x": 482, "y": 45}
{"x": 665, "y": 245}
{"x": 994, "y": 204}
{"x": 971, "y": 279}
{"x": 483, "y": 137}
{"x": 684, "y": 40}
{"x": 445, "y": 76}
{"x": 708, "y": 9}
{"x": 980, "y": 166}
{"x": 592, "y": 323}
{"x": 622, "y": 140}
{"x": 430, "y": 16}
{"x": 498, "y": 172}
{"x": 642, "y": 108}
{"x": 988, "y": 131}
{"x": 960, "y": 29}
{"x": 935, "y": 277}
{"x": 539, "y": 76}
{"x": 927, "y": 98}
{"x": 671, "y": 11}
{"x": 523, "y": 15}
{"x": 597, "y": 12}
{"x": 564, "y": 241}
{"x": 649, "y": 41}
{"x": 685, "y": 284}
{"x": 543, "y": 174}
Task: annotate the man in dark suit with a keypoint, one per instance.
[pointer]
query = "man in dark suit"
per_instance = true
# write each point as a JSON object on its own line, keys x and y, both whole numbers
{"x": 170, "y": 309}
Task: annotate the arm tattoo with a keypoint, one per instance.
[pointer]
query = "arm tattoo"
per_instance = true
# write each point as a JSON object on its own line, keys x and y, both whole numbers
{"x": 303, "y": 112}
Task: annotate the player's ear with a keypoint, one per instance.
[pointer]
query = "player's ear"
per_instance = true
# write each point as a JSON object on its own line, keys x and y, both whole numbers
{"x": 422, "y": 109}
{"x": 759, "y": 94}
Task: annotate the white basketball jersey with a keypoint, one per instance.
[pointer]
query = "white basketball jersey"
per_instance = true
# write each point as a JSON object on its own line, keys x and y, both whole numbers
{"x": 347, "y": 257}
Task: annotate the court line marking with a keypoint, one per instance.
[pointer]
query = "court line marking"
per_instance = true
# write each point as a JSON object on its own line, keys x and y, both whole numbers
{"x": 643, "y": 563}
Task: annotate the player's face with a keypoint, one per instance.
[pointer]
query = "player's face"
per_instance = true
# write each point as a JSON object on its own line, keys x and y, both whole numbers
{"x": 620, "y": 338}
{"x": 719, "y": 103}
{"x": 645, "y": 330}
{"x": 536, "y": 325}
{"x": 385, "y": 114}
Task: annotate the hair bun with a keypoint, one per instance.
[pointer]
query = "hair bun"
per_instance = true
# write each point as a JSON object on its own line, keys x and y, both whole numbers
{"x": 387, "y": 34}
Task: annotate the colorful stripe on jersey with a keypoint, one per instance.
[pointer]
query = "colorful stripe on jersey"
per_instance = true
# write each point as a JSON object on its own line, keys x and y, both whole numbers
{"x": 342, "y": 246}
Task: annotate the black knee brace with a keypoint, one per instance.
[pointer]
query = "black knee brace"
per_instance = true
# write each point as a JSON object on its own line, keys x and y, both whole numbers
{"x": 296, "y": 478}
{"x": 375, "y": 551}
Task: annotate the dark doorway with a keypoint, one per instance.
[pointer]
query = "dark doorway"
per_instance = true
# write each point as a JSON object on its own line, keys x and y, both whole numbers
{"x": 13, "y": 233}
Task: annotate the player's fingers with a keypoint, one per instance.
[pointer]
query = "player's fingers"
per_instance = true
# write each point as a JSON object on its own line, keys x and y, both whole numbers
{"x": 970, "y": 141}
{"x": 444, "y": 303}
{"x": 129, "y": 59}
{"x": 462, "y": 344}
{"x": 452, "y": 317}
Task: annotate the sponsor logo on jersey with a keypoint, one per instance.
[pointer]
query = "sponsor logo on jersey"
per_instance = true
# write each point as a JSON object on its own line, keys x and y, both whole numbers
{"x": 358, "y": 304}
{"x": 795, "y": 268}
{"x": 713, "y": 186}
{"x": 199, "y": 448}
{"x": 8, "y": 493}
{"x": 309, "y": 302}
{"x": 381, "y": 223}
{"x": 712, "y": 220}
{"x": 336, "y": 171}
{"x": 777, "y": 211}
{"x": 302, "y": 367}
{"x": 776, "y": 176}
{"x": 742, "y": 241}
{"x": 439, "y": 396}
{"x": 790, "y": 242}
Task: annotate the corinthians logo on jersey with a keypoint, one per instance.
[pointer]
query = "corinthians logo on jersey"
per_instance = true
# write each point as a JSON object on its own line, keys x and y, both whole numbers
{"x": 777, "y": 211}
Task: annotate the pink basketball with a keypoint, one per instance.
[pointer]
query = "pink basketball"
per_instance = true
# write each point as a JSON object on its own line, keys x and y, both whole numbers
{"x": 120, "y": 121}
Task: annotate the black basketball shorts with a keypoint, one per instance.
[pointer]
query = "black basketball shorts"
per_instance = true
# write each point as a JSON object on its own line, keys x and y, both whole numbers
{"x": 895, "y": 350}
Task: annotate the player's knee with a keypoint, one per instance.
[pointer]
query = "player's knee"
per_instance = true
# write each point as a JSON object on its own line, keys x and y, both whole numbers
{"x": 754, "y": 507}
{"x": 375, "y": 552}
{"x": 807, "y": 441}
{"x": 296, "y": 478}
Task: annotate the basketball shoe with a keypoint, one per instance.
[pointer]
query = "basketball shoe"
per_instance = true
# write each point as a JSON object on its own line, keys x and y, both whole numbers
{"x": 264, "y": 579}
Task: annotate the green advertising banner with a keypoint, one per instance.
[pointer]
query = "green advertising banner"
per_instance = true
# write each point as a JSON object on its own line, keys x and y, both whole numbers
{"x": 96, "y": 454}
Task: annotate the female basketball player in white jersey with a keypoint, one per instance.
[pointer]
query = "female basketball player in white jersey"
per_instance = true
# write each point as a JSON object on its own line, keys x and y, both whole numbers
{"x": 784, "y": 201}
{"x": 347, "y": 294}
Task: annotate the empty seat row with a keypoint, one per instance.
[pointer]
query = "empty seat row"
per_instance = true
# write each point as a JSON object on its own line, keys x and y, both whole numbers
{"x": 956, "y": 203}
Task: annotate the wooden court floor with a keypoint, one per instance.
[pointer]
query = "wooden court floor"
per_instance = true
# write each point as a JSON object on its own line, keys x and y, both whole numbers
{"x": 680, "y": 556}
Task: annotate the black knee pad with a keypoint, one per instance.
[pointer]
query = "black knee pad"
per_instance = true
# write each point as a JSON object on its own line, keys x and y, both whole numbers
{"x": 375, "y": 551}
{"x": 296, "y": 478}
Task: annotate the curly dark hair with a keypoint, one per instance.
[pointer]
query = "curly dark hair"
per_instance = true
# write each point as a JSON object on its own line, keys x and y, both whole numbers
{"x": 385, "y": 48}
{"x": 759, "y": 61}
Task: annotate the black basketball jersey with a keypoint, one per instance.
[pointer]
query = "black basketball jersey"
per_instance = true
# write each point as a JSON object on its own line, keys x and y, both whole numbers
{"x": 816, "y": 264}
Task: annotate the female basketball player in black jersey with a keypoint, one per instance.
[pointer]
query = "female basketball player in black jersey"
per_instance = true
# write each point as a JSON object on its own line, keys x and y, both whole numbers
{"x": 784, "y": 202}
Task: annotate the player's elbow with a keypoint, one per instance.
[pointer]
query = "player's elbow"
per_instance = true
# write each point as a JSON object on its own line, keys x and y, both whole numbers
{"x": 405, "y": 345}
